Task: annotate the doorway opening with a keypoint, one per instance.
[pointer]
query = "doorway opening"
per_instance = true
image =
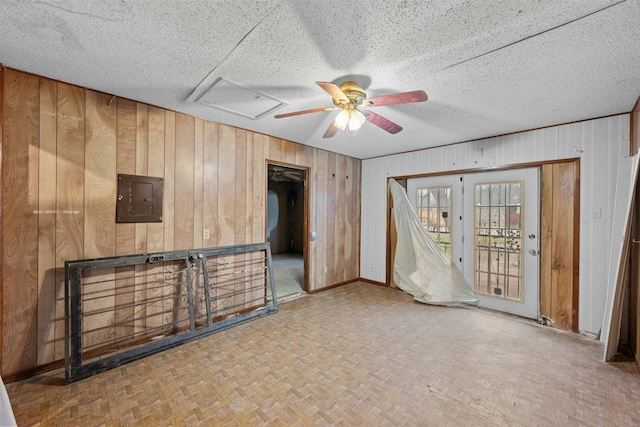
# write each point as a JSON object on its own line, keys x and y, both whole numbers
{"x": 286, "y": 224}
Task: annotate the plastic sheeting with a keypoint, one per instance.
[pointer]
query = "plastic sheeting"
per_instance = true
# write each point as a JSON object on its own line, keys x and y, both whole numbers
{"x": 6, "y": 413}
{"x": 420, "y": 267}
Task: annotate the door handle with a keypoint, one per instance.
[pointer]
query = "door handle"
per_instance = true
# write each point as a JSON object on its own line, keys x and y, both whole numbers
{"x": 533, "y": 252}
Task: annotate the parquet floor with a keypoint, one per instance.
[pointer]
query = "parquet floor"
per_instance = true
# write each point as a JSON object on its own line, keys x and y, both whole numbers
{"x": 358, "y": 355}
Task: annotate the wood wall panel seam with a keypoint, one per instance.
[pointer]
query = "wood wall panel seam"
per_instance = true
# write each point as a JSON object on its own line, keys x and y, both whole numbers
{"x": 19, "y": 170}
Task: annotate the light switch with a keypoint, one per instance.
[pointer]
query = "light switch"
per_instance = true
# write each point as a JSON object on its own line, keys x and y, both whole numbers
{"x": 205, "y": 234}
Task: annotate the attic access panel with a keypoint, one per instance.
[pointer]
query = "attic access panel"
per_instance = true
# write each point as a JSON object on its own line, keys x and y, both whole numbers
{"x": 139, "y": 199}
{"x": 234, "y": 98}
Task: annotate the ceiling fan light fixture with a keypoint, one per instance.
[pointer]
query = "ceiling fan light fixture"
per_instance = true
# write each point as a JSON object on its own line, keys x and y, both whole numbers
{"x": 348, "y": 97}
{"x": 356, "y": 120}
{"x": 349, "y": 121}
{"x": 342, "y": 119}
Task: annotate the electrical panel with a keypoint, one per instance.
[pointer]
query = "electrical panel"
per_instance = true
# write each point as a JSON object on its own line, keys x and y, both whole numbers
{"x": 139, "y": 198}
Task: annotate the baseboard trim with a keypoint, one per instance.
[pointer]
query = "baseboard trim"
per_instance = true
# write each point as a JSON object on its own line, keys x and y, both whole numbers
{"x": 335, "y": 285}
{"x": 373, "y": 282}
{"x": 29, "y": 373}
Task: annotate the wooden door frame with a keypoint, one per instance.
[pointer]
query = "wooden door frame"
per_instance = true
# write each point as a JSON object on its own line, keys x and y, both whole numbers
{"x": 547, "y": 199}
{"x": 306, "y": 192}
{"x": 2, "y": 68}
{"x": 634, "y": 250}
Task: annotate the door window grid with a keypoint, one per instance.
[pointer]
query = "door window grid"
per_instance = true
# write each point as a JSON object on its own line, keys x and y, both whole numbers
{"x": 498, "y": 230}
{"x": 434, "y": 210}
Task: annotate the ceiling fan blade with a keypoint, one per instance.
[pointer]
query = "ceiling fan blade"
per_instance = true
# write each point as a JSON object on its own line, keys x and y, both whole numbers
{"x": 397, "y": 98}
{"x": 382, "y": 123}
{"x": 298, "y": 113}
{"x": 331, "y": 130}
{"x": 292, "y": 174}
{"x": 333, "y": 90}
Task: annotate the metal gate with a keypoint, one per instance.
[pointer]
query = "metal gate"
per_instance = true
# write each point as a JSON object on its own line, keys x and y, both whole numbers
{"x": 121, "y": 309}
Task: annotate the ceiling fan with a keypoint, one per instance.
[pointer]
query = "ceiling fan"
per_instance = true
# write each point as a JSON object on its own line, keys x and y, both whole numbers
{"x": 349, "y": 97}
{"x": 279, "y": 174}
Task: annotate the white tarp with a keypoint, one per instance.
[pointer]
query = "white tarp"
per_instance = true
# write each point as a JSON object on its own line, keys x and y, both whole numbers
{"x": 420, "y": 267}
{"x": 6, "y": 413}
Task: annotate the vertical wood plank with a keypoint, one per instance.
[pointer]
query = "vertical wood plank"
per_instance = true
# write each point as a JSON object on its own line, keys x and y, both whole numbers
{"x": 140, "y": 237}
{"x": 357, "y": 207}
{"x": 100, "y": 178}
{"x": 156, "y": 168}
{"x": 70, "y": 186}
{"x": 126, "y": 164}
{"x": 198, "y": 171}
{"x": 184, "y": 195}
{"x": 142, "y": 164}
{"x": 155, "y": 230}
{"x": 226, "y": 195}
{"x": 575, "y": 283}
{"x": 168, "y": 208}
{"x": 274, "y": 149}
{"x": 255, "y": 204}
{"x": 240, "y": 205}
{"x": 259, "y": 188}
{"x": 125, "y": 233}
{"x": 240, "y": 210}
{"x": 100, "y": 206}
{"x": 331, "y": 223}
{"x": 322, "y": 204}
{"x": 47, "y": 222}
{"x": 290, "y": 149}
{"x": 210, "y": 183}
{"x": 226, "y": 186}
{"x": 341, "y": 258}
{"x": 250, "y": 169}
{"x": 562, "y": 270}
{"x": 546, "y": 240}
{"x": 20, "y": 225}
{"x": 348, "y": 224}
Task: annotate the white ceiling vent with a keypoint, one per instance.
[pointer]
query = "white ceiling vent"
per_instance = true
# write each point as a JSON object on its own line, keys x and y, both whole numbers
{"x": 236, "y": 99}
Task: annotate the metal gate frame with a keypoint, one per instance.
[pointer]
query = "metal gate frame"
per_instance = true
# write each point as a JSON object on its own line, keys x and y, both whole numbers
{"x": 76, "y": 368}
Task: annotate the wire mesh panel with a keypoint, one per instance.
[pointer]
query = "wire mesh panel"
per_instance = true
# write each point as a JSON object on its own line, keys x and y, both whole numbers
{"x": 123, "y": 308}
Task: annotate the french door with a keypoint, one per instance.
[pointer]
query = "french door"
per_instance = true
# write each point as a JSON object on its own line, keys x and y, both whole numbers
{"x": 489, "y": 223}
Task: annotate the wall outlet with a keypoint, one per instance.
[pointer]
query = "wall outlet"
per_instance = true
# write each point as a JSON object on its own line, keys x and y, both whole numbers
{"x": 205, "y": 234}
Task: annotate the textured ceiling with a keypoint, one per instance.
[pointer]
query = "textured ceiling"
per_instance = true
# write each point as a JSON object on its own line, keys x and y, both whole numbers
{"x": 489, "y": 67}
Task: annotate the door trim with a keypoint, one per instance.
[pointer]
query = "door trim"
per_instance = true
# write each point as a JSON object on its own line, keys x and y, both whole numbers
{"x": 307, "y": 199}
{"x": 559, "y": 286}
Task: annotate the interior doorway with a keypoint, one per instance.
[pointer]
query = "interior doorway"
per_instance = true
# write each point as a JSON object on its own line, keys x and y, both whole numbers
{"x": 286, "y": 225}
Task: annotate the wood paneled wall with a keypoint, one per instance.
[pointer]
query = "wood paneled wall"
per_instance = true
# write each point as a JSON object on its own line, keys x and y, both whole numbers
{"x": 62, "y": 148}
{"x": 559, "y": 256}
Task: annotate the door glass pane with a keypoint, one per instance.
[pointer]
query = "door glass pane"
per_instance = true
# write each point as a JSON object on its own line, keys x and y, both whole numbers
{"x": 433, "y": 207}
{"x": 498, "y": 230}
